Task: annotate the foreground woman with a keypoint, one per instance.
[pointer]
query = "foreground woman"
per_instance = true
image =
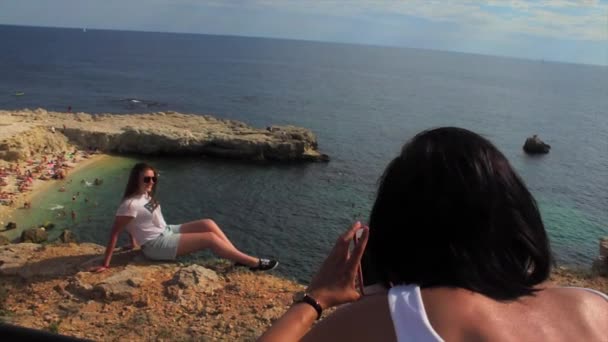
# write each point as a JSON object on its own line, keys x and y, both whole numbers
{"x": 140, "y": 214}
{"x": 458, "y": 243}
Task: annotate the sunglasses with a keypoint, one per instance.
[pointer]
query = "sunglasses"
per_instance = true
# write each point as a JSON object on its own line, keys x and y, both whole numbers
{"x": 148, "y": 179}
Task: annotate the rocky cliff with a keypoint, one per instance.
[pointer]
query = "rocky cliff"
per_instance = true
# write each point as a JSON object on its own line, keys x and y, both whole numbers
{"x": 24, "y": 133}
{"x": 47, "y": 287}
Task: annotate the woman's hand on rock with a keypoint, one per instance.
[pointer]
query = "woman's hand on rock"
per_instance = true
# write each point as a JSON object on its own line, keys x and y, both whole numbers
{"x": 98, "y": 269}
{"x": 334, "y": 283}
{"x": 126, "y": 248}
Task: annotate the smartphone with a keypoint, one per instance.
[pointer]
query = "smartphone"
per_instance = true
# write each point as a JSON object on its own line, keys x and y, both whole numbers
{"x": 360, "y": 284}
{"x": 368, "y": 281}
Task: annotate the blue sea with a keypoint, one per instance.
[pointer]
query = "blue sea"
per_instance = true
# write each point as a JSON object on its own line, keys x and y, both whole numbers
{"x": 363, "y": 103}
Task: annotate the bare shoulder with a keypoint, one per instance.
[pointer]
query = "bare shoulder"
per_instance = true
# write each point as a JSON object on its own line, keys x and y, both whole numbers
{"x": 576, "y": 311}
{"x": 461, "y": 318}
{"x": 551, "y": 314}
{"x": 559, "y": 314}
{"x": 368, "y": 319}
{"x": 588, "y": 305}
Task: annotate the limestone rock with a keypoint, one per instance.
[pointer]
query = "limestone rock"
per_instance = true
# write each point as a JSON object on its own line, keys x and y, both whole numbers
{"x": 13, "y": 257}
{"x": 600, "y": 265}
{"x": 124, "y": 284}
{"x": 48, "y": 225}
{"x": 13, "y": 155}
{"x": 34, "y": 235}
{"x": 32, "y": 141}
{"x": 67, "y": 236}
{"x": 240, "y": 311}
{"x": 604, "y": 248}
{"x": 49, "y": 263}
{"x": 534, "y": 145}
{"x": 156, "y": 134}
{"x": 194, "y": 276}
{"x": 77, "y": 286}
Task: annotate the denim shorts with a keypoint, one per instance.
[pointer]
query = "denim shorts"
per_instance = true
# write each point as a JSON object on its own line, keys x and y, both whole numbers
{"x": 164, "y": 247}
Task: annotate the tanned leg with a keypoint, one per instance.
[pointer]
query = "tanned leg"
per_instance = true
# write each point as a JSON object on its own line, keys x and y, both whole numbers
{"x": 193, "y": 242}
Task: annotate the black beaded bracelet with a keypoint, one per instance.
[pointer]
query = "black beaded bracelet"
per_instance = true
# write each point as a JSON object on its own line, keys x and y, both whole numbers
{"x": 313, "y": 302}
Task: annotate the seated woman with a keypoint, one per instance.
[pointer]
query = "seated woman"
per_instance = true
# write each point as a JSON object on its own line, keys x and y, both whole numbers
{"x": 458, "y": 242}
{"x": 140, "y": 214}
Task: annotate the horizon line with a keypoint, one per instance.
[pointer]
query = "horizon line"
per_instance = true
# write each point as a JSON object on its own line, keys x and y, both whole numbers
{"x": 543, "y": 60}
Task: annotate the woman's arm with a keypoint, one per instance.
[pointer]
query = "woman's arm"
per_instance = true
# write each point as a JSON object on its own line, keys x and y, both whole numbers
{"x": 334, "y": 284}
{"x": 119, "y": 223}
{"x": 133, "y": 242}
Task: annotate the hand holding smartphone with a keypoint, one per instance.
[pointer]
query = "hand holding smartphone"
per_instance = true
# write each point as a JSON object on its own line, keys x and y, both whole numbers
{"x": 360, "y": 285}
{"x": 372, "y": 283}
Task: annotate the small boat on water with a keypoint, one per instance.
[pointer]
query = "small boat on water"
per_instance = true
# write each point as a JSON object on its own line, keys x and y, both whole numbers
{"x": 19, "y": 93}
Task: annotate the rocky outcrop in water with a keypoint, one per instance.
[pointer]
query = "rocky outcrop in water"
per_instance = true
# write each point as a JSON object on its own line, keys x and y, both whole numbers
{"x": 67, "y": 236}
{"x": 534, "y": 145}
{"x": 162, "y": 133}
{"x": 35, "y": 235}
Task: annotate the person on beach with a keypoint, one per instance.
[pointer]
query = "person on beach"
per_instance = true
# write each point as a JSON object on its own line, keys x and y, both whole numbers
{"x": 60, "y": 173}
{"x": 458, "y": 248}
{"x": 140, "y": 214}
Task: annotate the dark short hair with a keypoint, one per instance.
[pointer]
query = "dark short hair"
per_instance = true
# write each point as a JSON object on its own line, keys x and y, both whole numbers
{"x": 451, "y": 212}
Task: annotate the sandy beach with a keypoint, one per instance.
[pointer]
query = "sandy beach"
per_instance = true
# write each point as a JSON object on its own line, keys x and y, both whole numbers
{"x": 37, "y": 187}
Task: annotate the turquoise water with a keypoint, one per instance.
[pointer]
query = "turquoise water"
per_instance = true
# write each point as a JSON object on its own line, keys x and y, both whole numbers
{"x": 573, "y": 232}
{"x": 362, "y": 102}
{"x": 92, "y": 205}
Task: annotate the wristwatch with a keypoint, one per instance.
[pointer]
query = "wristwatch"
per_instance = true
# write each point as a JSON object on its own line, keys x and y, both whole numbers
{"x": 303, "y": 297}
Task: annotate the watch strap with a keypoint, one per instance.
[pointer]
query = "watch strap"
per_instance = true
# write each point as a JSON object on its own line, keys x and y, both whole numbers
{"x": 312, "y": 302}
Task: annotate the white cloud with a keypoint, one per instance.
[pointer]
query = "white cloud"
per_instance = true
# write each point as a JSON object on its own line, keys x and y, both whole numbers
{"x": 564, "y": 19}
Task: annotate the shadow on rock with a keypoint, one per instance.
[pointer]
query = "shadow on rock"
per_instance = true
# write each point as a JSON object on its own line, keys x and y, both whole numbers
{"x": 35, "y": 262}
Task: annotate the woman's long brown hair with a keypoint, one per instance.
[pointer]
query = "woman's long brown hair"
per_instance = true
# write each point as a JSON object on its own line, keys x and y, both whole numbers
{"x": 133, "y": 183}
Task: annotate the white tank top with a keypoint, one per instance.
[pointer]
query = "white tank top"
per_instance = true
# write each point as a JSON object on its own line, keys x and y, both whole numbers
{"x": 409, "y": 317}
{"x": 408, "y": 314}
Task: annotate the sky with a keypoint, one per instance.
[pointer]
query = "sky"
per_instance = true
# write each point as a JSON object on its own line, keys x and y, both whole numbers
{"x": 574, "y": 31}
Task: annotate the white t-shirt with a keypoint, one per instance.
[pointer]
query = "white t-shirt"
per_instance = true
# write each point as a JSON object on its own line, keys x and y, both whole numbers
{"x": 148, "y": 221}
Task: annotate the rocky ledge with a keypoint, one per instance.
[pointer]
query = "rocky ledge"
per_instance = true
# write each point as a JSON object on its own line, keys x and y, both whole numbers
{"x": 47, "y": 287}
{"x": 26, "y": 132}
